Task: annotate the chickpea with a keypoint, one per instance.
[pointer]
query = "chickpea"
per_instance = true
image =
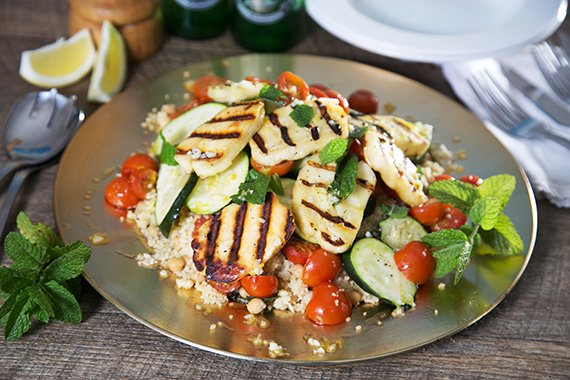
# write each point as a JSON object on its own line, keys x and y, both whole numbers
{"x": 256, "y": 306}
{"x": 176, "y": 264}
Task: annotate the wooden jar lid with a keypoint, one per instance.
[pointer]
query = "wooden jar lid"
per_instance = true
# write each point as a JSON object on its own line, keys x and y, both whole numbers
{"x": 118, "y": 12}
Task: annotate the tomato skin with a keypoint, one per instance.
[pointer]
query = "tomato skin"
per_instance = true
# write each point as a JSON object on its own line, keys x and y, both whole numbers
{"x": 320, "y": 267}
{"x": 142, "y": 182}
{"x": 319, "y": 86}
{"x": 201, "y": 85}
{"x": 260, "y": 286}
{"x": 341, "y": 100}
{"x": 329, "y": 305}
{"x": 293, "y": 85}
{"x": 443, "y": 177}
{"x": 357, "y": 149}
{"x": 453, "y": 218}
{"x": 363, "y": 101}
{"x": 138, "y": 162}
{"x": 298, "y": 250}
{"x": 119, "y": 194}
{"x": 428, "y": 213}
{"x": 253, "y": 79}
{"x": 280, "y": 169}
{"x": 319, "y": 93}
{"x": 224, "y": 287}
{"x": 472, "y": 179}
{"x": 415, "y": 260}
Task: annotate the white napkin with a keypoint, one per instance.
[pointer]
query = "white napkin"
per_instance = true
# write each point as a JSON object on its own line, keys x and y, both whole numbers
{"x": 546, "y": 162}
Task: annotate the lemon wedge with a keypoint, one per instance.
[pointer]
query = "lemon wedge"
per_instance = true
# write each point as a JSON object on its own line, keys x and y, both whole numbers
{"x": 110, "y": 67}
{"x": 59, "y": 64}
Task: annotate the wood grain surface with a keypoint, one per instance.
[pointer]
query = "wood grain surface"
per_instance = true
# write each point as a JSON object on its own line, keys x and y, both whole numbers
{"x": 526, "y": 336}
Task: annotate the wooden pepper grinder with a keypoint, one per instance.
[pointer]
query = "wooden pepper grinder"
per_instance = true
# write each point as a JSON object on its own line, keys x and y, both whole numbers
{"x": 139, "y": 21}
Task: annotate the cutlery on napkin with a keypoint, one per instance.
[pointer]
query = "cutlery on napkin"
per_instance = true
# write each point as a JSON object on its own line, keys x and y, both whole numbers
{"x": 546, "y": 162}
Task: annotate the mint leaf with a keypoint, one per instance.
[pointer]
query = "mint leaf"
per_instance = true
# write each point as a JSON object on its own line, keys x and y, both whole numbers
{"x": 40, "y": 298}
{"x": 302, "y": 115}
{"x": 453, "y": 253}
{"x": 334, "y": 151}
{"x": 459, "y": 194}
{"x": 70, "y": 264}
{"x": 447, "y": 259}
{"x": 500, "y": 186}
{"x": 358, "y": 132}
{"x": 18, "y": 321}
{"x": 39, "y": 233}
{"x": 27, "y": 258}
{"x": 253, "y": 189}
{"x": 40, "y": 314}
{"x": 462, "y": 261}
{"x": 272, "y": 94}
{"x": 66, "y": 308}
{"x": 275, "y": 185}
{"x": 444, "y": 237}
{"x": 504, "y": 238}
{"x": 394, "y": 211}
{"x": 345, "y": 178}
{"x": 485, "y": 212}
{"x": 167, "y": 152}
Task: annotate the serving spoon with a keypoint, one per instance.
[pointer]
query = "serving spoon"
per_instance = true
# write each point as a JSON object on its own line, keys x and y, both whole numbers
{"x": 38, "y": 128}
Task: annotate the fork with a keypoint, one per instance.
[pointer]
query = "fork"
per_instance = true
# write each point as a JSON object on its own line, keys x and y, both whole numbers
{"x": 506, "y": 114}
{"x": 554, "y": 64}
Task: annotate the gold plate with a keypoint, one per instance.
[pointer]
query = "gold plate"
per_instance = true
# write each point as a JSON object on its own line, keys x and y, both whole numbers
{"x": 113, "y": 132}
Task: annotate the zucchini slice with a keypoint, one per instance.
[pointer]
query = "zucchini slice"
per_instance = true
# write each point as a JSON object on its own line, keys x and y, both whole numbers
{"x": 397, "y": 232}
{"x": 371, "y": 265}
{"x": 211, "y": 194}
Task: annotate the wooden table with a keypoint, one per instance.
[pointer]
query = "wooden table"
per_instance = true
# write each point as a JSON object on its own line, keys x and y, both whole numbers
{"x": 526, "y": 336}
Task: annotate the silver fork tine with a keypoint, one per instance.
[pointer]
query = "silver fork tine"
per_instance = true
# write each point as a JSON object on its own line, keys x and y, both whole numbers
{"x": 498, "y": 116}
{"x": 513, "y": 111}
{"x": 554, "y": 71}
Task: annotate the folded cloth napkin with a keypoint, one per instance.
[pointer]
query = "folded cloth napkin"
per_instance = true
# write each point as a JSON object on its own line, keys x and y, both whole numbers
{"x": 546, "y": 162}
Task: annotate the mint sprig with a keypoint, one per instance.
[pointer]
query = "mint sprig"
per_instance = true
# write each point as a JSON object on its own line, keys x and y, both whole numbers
{"x": 41, "y": 283}
{"x": 270, "y": 93}
{"x": 302, "y": 115}
{"x": 255, "y": 186}
{"x": 345, "y": 178}
{"x": 334, "y": 151}
{"x": 167, "y": 152}
{"x": 484, "y": 205}
{"x": 393, "y": 211}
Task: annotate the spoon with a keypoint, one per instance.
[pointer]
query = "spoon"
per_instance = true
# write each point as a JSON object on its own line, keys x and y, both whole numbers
{"x": 38, "y": 128}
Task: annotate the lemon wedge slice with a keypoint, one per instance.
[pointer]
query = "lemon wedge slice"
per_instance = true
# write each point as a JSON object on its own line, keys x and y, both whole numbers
{"x": 110, "y": 67}
{"x": 59, "y": 64}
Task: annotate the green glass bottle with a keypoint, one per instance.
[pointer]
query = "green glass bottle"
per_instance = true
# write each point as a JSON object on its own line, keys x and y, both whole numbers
{"x": 196, "y": 18}
{"x": 268, "y": 25}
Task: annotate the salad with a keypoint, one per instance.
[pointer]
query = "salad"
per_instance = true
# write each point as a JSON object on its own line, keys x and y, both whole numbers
{"x": 291, "y": 197}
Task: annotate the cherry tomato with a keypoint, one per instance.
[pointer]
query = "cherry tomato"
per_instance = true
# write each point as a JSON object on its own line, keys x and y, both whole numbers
{"x": 136, "y": 163}
{"x": 453, "y": 218}
{"x": 443, "y": 177}
{"x": 201, "y": 85}
{"x": 321, "y": 266}
{"x": 293, "y": 85}
{"x": 298, "y": 250}
{"x": 225, "y": 287}
{"x": 319, "y": 93}
{"x": 119, "y": 194}
{"x": 329, "y": 305}
{"x": 184, "y": 108}
{"x": 280, "y": 169}
{"x": 357, "y": 149}
{"x": 341, "y": 100}
{"x": 260, "y": 286}
{"x": 472, "y": 179}
{"x": 416, "y": 262}
{"x": 142, "y": 182}
{"x": 363, "y": 101}
{"x": 253, "y": 79}
{"x": 319, "y": 86}
{"x": 428, "y": 213}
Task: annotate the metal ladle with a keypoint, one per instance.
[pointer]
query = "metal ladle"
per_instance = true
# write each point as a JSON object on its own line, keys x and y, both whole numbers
{"x": 38, "y": 128}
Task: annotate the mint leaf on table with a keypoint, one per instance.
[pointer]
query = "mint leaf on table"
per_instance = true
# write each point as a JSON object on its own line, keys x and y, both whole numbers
{"x": 345, "y": 178}
{"x": 334, "y": 151}
{"x": 270, "y": 93}
{"x": 42, "y": 282}
{"x": 500, "y": 186}
{"x": 302, "y": 115}
{"x": 457, "y": 193}
{"x": 167, "y": 152}
{"x": 255, "y": 186}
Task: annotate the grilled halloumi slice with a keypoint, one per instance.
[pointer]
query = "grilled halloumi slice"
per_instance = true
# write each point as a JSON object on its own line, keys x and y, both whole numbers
{"x": 397, "y": 171}
{"x": 234, "y": 92}
{"x": 240, "y": 239}
{"x": 413, "y": 139}
{"x": 332, "y": 225}
{"x": 281, "y": 139}
{"x": 213, "y": 145}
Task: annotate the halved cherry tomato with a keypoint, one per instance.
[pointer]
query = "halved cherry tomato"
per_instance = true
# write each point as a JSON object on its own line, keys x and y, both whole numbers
{"x": 138, "y": 162}
{"x": 119, "y": 194}
{"x": 280, "y": 169}
{"x": 329, "y": 305}
{"x": 415, "y": 260}
{"x": 428, "y": 213}
{"x": 319, "y": 93}
{"x": 453, "y": 218}
{"x": 142, "y": 182}
{"x": 293, "y": 85}
{"x": 357, "y": 149}
{"x": 472, "y": 179}
{"x": 342, "y": 101}
{"x": 184, "y": 108}
{"x": 201, "y": 85}
{"x": 321, "y": 266}
{"x": 443, "y": 177}
{"x": 260, "y": 286}
{"x": 298, "y": 250}
{"x": 225, "y": 287}
{"x": 363, "y": 101}
{"x": 253, "y": 79}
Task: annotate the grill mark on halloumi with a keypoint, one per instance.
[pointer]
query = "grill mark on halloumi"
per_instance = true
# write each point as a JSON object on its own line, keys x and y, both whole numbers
{"x": 330, "y": 168}
{"x": 314, "y": 184}
{"x": 274, "y": 119}
{"x": 216, "y": 136}
{"x": 333, "y": 125}
{"x": 336, "y": 242}
{"x": 206, "y": 158}
{"x": 315, "y": 133}
{"x": 327, "y": 216}
{"x": 234, "y": 117}
{"x": 260, "y": 143}
{"x": 266, "y": 216}
{"x": 365, "y": 184}
{"x": 238, "y": 232}
{"x": 212, "y": 238}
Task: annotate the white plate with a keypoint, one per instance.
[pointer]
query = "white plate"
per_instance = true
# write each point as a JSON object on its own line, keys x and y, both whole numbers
{"x": 439, "y": 30}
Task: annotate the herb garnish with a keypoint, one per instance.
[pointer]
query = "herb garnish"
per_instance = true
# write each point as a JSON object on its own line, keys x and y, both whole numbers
{"x": 255, "y": 186}
{"x": 302, "y": 115}
{"x": 345, "y": 178}
{"x": 270, "y": 93}
{"x": 334, "y": 151}
{"x": 393, "y": 211}
{"x": 42, "y": 281}
{"x": 167, "y": 152}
